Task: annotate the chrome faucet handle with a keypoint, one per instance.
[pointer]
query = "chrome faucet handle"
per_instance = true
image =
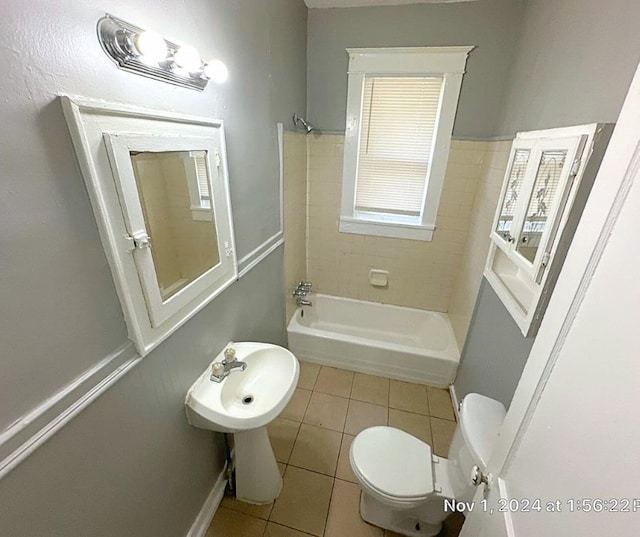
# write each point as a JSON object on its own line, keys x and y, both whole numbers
{"x": 217, "y": 370}
{"x": 230, "y": 354}
{"x": 300, "y": 292}
{"x": 305, "y": 284}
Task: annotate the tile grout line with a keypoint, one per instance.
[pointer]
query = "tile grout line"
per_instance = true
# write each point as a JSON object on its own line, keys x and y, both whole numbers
{"x": 428, "y": 401}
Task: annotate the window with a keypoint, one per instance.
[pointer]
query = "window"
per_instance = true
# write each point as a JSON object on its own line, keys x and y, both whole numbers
{"x": 195, "y": 167}
{"x": 400, "y": 109}
{"x": 204, "y": 194}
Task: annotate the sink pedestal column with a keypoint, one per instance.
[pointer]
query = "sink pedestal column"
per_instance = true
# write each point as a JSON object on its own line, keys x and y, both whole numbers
{"x": 258, "y": 478}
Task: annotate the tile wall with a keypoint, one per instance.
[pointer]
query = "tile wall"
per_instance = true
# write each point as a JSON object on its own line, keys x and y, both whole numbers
{"x": 295, "y": 213}
{"x": 422, "y": 274}
{"x": 441, "y": 275}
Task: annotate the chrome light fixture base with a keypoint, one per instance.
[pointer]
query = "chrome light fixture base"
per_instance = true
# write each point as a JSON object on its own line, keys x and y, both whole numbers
{"x": 117, "y": 38}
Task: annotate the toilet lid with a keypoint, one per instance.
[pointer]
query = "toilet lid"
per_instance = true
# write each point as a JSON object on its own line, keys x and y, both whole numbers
{"x": 393, "y": 462}
{"x": 480, "y": 421}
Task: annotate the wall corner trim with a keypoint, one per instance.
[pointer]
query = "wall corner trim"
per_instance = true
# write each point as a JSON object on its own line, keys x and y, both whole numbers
{"x": 209, "y": 507}
{"x": 33, "y": 429}
{"x": 254, "y": 257}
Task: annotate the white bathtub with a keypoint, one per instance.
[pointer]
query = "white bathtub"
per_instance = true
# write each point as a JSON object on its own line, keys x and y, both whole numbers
{"x": 392, "y": 341}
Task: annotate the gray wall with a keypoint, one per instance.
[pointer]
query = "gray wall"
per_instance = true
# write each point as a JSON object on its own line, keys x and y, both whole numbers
{"x": 574, "y": 63}
{"x": 129, "y": 464}
{"x": 495, "y": 351}
{"x": 492, "y": 25}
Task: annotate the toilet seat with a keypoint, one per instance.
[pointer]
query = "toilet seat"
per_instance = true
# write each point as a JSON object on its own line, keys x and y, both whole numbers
{"x": 393, "y": 464}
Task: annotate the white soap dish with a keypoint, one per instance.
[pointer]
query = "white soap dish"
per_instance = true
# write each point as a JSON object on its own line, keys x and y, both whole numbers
{"x": 379, "y": 278}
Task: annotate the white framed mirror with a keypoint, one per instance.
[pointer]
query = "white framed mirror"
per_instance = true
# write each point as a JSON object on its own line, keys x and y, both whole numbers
{"x": 159, "y": 187}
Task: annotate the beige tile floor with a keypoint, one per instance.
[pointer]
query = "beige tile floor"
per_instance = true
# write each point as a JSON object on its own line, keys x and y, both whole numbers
{"x": 311, "y": 440}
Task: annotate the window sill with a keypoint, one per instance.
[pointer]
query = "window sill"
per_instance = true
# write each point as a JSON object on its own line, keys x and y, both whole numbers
{"x": 198, "y": 213}
{"x": 415, "y": 232}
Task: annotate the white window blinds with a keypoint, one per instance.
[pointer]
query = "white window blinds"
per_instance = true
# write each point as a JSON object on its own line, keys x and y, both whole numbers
{"x": 399, "y": 117}
{"x": 203, "y": 179}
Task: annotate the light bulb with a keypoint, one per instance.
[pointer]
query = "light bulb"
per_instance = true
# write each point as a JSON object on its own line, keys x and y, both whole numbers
{"x": 151, "y": 46}
{"x": 188, "y": 59}
{"x": 216, "y": 71}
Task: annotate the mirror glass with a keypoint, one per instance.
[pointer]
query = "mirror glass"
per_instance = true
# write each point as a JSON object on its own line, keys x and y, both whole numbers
{"x": 175, "y": 192}
{"x": 541, "y": 202}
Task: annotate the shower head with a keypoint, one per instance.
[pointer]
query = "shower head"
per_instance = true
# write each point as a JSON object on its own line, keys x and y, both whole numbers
{"x": 301, "y": 123}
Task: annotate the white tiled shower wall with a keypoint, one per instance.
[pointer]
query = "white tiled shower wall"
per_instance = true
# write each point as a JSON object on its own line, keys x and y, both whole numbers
{"x": 441, "y": 275}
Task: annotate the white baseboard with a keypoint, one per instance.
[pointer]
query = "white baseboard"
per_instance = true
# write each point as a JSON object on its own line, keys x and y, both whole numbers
{"x": 209, "y": 507}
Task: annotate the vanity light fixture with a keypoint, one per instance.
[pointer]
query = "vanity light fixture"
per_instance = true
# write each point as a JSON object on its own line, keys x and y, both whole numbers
{"x": 147, "y": 53}
{"x": 217, "y": 71}
{"x": 151, "y": 47}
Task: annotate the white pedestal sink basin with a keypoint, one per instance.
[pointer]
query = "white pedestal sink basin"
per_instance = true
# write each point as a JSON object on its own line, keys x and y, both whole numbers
{"x": 244, "y": 403}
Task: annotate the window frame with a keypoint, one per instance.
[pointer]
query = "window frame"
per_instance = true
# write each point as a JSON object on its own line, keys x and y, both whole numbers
{"x": 445, "y": 62}
{"x": 198, "y": 210}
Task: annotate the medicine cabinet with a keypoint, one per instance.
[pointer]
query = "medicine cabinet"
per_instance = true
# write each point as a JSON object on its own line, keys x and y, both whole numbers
{"x": 548, "y": 179}
{"x": 159, "y": 188}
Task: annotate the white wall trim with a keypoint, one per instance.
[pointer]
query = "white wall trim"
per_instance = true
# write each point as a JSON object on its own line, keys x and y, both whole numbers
{"x": 254, "y": 257}
{"x": 447, "y": 63}
{"x": 209, "y": 507}
{"x": 408, "y": 60}
{"x": 416, "y": 232}
{"x": 280, "y": 131}
{"x": 33, "y": 429}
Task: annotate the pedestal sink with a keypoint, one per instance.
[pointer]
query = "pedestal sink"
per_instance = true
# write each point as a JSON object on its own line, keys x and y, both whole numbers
{"x": 243, "y": 404}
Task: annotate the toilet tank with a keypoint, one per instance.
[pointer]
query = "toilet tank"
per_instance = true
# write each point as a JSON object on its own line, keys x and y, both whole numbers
{"x": 473, "y": 440}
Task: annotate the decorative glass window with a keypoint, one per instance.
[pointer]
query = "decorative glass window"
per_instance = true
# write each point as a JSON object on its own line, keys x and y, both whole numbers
{"x": 400, "y": 109}
{"x": 515, "y": 181}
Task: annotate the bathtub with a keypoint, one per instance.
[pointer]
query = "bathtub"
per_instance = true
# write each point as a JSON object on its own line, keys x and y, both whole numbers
{"x": 391, "y": 341}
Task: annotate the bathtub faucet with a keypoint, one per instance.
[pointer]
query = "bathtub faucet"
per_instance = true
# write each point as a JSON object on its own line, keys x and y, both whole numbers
{"x": 301, "y": 292}
{"x": 302, "y": 289}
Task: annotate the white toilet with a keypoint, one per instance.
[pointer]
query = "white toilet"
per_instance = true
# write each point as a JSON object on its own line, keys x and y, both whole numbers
{"x": 404, "y": 485}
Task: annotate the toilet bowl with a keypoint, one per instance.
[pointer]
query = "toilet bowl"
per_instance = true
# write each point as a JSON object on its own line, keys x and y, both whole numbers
{"x": 404, "y": 485}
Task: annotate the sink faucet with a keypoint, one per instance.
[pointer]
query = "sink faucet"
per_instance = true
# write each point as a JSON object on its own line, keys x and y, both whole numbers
{"x": 221, "y": 370}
